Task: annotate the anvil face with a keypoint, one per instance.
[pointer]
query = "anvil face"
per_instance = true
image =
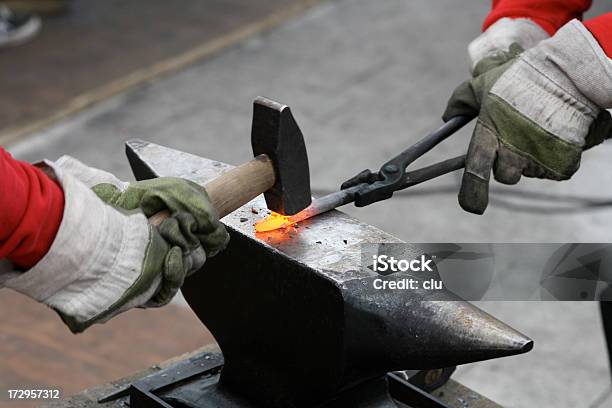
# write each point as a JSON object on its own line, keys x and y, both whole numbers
{"x": 296, "y": 314}
{"x": 329, "y": 243}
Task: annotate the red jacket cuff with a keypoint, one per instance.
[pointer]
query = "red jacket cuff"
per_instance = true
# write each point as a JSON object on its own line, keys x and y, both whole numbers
{"x": 601, "y": 28}
{"x": 548, "y": 14}
{"x": 31, "y": 210}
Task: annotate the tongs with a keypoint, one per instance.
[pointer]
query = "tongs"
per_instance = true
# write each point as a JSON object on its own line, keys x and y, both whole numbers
{"x": 368, "y": 187}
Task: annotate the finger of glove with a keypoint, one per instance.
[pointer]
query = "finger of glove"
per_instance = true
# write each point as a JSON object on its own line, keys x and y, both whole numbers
{"x": 474, "y": 191}
{"x": 508, "y": 166}
{"x": 173, "y": 278}
{"x": 181, "y": 229}
{"x": 468, "y": 97}
{"x": 600, "y": 130}
{"x": 463, "y": 101}
{"x": 216, "y": 241}
{"x": 179, "y": 195}
{"x": 194, "y": 255}
{"x": 128, "y": 200}
{"x": 178, "y": 231}
{"x": 499, "y": 58}
{"x": 170, "y": 192}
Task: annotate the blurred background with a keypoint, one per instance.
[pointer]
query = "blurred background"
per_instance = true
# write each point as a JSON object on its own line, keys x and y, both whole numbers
{"x": 364, "y": 79}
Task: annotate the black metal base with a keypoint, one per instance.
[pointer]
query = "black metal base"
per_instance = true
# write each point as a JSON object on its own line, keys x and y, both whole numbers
{"x": 195, "y": 383}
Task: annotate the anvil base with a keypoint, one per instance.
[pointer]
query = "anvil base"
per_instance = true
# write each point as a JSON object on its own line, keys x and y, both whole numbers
{"x": 196, "y": 383}
{"x": 206, "y": 392}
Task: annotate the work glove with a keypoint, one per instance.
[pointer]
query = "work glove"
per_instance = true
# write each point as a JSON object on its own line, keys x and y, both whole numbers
{"x": 106, "y": 257}
{"x": 179, "y": 245}
{"x": 536, "y": 112}
{"x": 499, "y": 36}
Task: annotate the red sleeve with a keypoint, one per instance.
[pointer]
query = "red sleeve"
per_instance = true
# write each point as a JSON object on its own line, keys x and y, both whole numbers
{"x": 548, "y": 14}
{"x": 31, "y": 209}
{"x": 601, "y": 28}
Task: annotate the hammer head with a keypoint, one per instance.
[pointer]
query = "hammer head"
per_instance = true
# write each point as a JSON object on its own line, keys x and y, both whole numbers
{"x": 276, "y": 134}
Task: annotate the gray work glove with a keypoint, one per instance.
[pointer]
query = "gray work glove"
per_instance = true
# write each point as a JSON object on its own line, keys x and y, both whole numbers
{"x": 106, "y": 257}
{"x": 536, "y": 112}
{"x": 499, "y": 36}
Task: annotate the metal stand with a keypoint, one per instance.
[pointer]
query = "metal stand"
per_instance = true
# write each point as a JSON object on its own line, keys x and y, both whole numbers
{"x": 195, "y": 383}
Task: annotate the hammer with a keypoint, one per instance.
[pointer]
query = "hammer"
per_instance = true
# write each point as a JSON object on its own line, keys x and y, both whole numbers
{"x": 279, "y": 169}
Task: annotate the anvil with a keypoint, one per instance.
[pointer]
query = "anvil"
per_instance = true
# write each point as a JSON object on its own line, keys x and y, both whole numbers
{"x": 296, "y": 314}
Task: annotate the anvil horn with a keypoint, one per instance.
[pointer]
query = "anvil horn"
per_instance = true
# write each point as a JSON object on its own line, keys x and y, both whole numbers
{"x": 295, "y": 312}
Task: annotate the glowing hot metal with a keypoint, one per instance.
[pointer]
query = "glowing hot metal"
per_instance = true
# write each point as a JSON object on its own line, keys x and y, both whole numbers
{"x": 319, "y": 206}
{"x": 273, "y": 222}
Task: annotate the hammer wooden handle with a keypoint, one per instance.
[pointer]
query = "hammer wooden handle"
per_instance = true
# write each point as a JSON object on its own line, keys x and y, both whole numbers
{"x": 235, "y": 187}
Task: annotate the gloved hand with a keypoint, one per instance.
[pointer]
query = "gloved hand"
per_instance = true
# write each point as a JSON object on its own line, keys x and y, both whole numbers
{"x": 536, "y": 112}
{"x": 497, "y": 39}
{"x": 179, "y": 245}
{"x": 106, "y": 257}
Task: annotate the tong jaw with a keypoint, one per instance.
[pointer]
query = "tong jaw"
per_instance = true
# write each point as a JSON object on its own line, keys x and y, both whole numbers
{"x": 376, "y": 186}
{"x": 392, "y": 175}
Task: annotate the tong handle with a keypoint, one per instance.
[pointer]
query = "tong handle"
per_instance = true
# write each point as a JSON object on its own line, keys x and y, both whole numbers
{"x": 430, "y": 141}
{"x": 412, "y": 178}
{"x": 392, "y": 175}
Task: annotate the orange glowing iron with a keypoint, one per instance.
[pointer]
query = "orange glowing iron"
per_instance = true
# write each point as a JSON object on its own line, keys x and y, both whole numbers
{"x": 273, "y": 222}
